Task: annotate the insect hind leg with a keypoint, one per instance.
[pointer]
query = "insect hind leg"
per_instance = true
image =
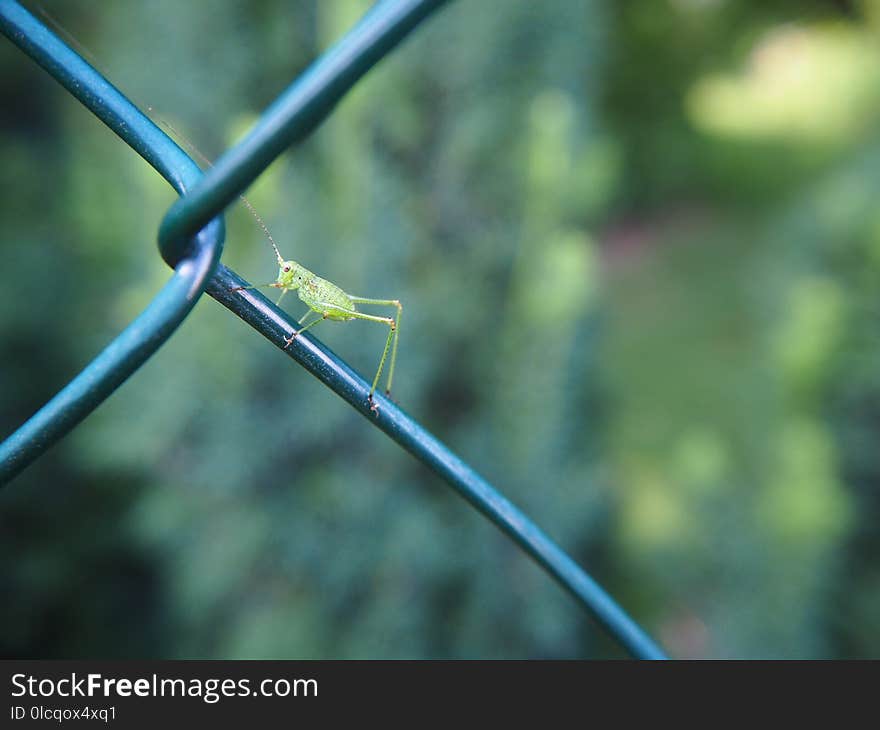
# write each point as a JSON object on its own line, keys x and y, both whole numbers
{"x": 392, "y": 341}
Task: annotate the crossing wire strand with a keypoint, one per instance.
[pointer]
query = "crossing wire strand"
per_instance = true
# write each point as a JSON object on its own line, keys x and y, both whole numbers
{"x": 200, "y": 253}
{"x": 296, "y": 113}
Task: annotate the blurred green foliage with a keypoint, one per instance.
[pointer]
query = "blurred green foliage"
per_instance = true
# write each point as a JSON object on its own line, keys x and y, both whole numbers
{"x": 639, "y": 248}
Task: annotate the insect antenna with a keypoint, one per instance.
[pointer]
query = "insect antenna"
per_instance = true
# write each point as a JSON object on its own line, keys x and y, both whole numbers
{"x": 67, "y": 35}
{"x": 85, "y": 53}
{"x": 264, "y": 227}
{"x": 206, "y": 161}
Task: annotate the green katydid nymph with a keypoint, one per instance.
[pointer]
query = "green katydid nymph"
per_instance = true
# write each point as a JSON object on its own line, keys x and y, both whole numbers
{"x": 320, "y": 296}
{"x": 329, "y": 301}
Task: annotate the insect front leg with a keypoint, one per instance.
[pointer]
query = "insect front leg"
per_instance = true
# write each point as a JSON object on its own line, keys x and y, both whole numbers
{"x": 255, "y": 286}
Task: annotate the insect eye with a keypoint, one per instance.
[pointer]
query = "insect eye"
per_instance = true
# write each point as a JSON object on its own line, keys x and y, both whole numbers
{"x": 286, "y": 269}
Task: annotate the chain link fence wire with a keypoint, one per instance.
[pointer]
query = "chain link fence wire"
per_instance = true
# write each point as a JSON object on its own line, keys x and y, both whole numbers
{"x": 191, "y": 238}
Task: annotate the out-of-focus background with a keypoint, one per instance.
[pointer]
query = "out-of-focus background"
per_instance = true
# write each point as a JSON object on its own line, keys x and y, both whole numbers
{"x": 639, "y": 248}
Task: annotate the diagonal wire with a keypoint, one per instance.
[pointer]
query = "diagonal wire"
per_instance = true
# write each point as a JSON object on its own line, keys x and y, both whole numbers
{"x": 276, "y": 326}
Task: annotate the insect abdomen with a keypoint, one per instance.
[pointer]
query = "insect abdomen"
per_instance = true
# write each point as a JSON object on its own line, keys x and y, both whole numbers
{"x": 324, "y": 297}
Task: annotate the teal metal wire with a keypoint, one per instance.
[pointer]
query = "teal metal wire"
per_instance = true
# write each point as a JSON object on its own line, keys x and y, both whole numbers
{"x": 199, "y": 254}
{"x": 190, "y": 239}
